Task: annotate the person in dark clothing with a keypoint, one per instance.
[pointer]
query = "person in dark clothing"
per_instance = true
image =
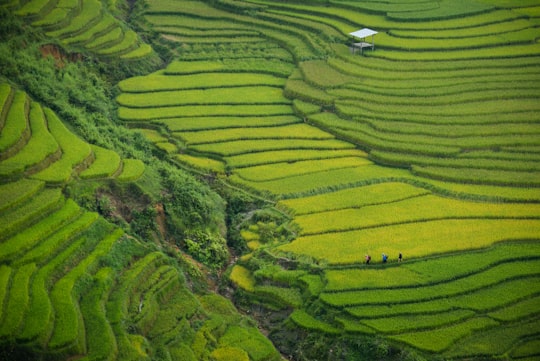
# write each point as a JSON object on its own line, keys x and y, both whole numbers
{"x": 384, "y": 258}
{"x": 368, "y": 258}
{"x": 400, "y": 257}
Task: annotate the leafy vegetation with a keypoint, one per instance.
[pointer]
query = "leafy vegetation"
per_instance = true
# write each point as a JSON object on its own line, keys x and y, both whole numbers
{"x": 265, "y": 144}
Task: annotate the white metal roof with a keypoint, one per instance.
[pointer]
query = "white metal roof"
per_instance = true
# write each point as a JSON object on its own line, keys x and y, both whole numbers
{"x": 362, "y": 33}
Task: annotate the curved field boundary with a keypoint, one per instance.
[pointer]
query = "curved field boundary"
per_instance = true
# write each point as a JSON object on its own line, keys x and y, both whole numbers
{"x": 457, "y": 111}
{"x": 16, "y": 130}
{"x": 39, "y": 206}
{"x": 75, "y": 152}
{"x": 85, "y": 25}
{"x": 13, "y": 194}
{"x": 38, "y": 152}
{"x": 106, "y": 164}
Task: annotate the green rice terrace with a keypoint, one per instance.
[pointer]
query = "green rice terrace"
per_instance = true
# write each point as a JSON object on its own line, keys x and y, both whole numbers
{"x": 205, "y": 180}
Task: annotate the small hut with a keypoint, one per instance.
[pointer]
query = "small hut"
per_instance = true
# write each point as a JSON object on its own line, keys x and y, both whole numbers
{"x": 361, "y": 35}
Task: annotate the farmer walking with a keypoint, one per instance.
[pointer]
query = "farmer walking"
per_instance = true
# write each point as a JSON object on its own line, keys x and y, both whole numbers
{"x": 384, "y": 258}
{"x": 368, "y": 258}
{"x": 400, "y": 257}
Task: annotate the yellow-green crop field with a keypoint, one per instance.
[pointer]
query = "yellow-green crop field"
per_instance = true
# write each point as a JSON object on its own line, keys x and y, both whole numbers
{"x": 427, "y": 145}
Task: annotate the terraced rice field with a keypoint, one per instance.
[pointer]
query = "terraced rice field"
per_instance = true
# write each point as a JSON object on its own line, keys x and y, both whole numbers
{"x": 36, "y": 144}
{"x": 428, "y": 146}
{"x": 86, "y": 25}
{"x": 73, "y": 285}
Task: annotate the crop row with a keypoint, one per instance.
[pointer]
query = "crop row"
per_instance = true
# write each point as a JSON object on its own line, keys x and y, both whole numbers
{"x": 428, "y": 271}
{"x": 349, "y": 111}
{"x": 39, "y": 314}
{"x": 353, "y": 198}
{"x": 17, "y": 302}
{"x": 471, "y": 94}
{"x": 501, "y": 297}
{"x": 37, "y": 207}
{"x": 67, "y": 327}
{"x": 301, "y": 44}
{"x": 252, "y": 146}
{"x": 517, "y": 339}
{"x": 212, "y": 123}
{"x": 380, "y": 68}
{"x": 159, "y": 82}
{"x": 418, "y": 209}
{"x": 132, "y": 169}
{"x": 27, "y": 238}
{"x": 290, "y": 156}
{"x": 46, "y": 149}
{"x": 268, "y": 172}
{"x": 74, "y": 152}
{"x": 279, "y": 133}
{"x": 106, "y": 163}
{"x": 130, "y": 114}
{"x": 100, "y": 340}
{"x": 247, "y": 95}
{"x": 480, "y": 176}
{"x": 316, "y": 183}
{"x": 420, "y": 143}
{"x": 40, "y": 147}
{"x": 49, "y": 246}
{"x": 389, "y": 75}
{"x": 85, "y": 24}
{"x": 417, "y": 239}
{"x": 6, "y": 97}
{"x": 347, "y": 13}
{"x": 119, "y": 300}
{"x": 488, "y": 29}
{"x": 16, "y": 124}
{"x": 14, "y": 193}
{"x": 277, "y": 67}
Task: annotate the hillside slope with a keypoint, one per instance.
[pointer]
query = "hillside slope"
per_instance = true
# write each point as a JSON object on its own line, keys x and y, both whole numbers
{"x": 425, "y": 146}
{"x": 85, "y": 271}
